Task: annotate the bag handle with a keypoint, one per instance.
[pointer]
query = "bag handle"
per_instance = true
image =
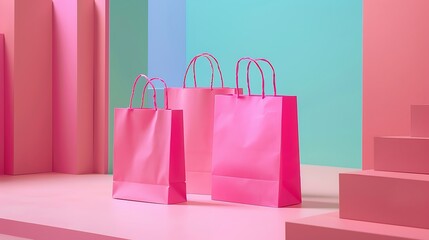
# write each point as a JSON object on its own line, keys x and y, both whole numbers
{"x": 154, "y": 93}
{"x": 193, "y": 62}
{"x": 272, "y": 68}
{"x": 134, "y": 87}
{"x": 237, "y": 70}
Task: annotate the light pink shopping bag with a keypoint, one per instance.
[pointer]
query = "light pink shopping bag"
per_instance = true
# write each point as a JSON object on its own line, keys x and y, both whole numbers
{"x": 198, "y": 108}
{"x": 149, "y": 162}
{"x": 255, "y": 148}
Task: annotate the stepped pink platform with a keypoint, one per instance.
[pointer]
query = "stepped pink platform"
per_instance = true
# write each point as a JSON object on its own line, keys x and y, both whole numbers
{"x": 402, "y": 154}
{"x": 59, "y": 206}
{"x": 330, "y": 226}
{"x": 385, "y": 197}
{"x": 9, "y": 237}
{"x": 420, "y": 120}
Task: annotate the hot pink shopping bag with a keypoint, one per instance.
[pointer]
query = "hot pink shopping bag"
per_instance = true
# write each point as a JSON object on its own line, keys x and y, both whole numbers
{"x": 149, "y": 162}
{"x": 255, "y": 148}
{"x": 198, "y": 108}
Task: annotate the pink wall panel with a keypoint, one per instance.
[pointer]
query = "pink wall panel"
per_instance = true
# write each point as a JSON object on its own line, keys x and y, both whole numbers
{"x": 1, "y": 104}
{"x": 73, "y": 54}
{"x": 101, "y": 86}
{"x": 395, "y": 67}
{"x": 27, "y": 25}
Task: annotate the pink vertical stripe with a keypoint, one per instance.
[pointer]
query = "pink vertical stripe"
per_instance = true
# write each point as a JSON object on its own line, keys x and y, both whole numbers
{"x": 101, "y": 86}
{"x": 27, "y": 26}
{"x": 73, "y": 86}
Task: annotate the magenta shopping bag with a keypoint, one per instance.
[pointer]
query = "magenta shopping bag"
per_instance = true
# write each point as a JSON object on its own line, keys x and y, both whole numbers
{"x": 149, "y": 162}
{"x": 198, "y": 108}
{"x": 255, "y": 147}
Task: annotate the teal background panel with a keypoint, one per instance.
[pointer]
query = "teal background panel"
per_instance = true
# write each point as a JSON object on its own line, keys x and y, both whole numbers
{"x": 128, "y": 55}
{"x": 148, "y": 98}
{"x": 316, "y": 47}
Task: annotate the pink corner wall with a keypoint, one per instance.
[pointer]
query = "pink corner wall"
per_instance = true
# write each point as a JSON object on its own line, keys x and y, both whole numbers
{"x": 27, "y": 25}
{"x": 395, "y": 67}
{"x": 73, "y": 83}
{"x": 1, "y": 104}
{"x": 101, "y": 86}
{"x": 85, "y": 85}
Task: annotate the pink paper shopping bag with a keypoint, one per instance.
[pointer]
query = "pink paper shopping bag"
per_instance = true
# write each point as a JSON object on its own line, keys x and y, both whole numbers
{"x": 198, "y": 108}
{"x": 149, "y": 162}
{"x": 255, "y": 147}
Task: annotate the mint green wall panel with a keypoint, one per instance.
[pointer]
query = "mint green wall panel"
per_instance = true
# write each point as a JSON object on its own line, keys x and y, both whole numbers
{"x": 128, "y": 54}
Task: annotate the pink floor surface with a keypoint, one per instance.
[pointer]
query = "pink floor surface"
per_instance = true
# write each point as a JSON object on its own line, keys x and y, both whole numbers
{"x": 59, "y": 206}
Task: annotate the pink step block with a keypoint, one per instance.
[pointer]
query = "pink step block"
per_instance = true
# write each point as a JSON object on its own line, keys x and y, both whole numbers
{"x": 73, "y": 86}
{"x": 385, "y": 197}
{"x": 1, "y": 104}
{"x": 330, "y": 226}
{"x": 420, "y": 120}
{"x": 101, "y": 86}
{"x": 27, "y": 27}
{"x": 402, "y": 154}
{"x": 24, "y": 230}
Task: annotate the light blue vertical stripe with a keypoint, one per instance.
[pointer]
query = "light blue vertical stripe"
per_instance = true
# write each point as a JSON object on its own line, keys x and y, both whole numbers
{"x": 167, "y": 40}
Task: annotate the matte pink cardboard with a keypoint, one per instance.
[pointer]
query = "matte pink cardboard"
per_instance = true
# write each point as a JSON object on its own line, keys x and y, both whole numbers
{"x": 330, "y": 226}
{"x": 395, "y": 72}
{"x": 101, "y": 86}
{"x": 27, "y": 26}
{"x": 402, "y": 154}
{"x": 1, "y": 104}
{"x": 385, "y": 197}
{"x": 255, "y": 155}
{"x": 149, "y": 152}
{"x": 198, "y": 108}
{"x": 73, "y": 68}
{"x": 420, "y": 120}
